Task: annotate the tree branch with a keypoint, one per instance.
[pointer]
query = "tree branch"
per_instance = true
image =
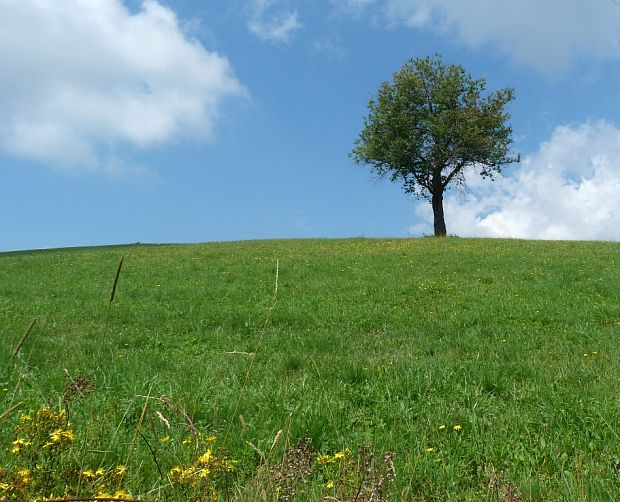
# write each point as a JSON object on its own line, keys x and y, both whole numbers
{"x": 455, "y": 171}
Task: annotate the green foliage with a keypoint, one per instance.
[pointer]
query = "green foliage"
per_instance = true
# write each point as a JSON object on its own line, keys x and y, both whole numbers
{"x": 370, "y": 342}
{"x": 430, "y": 124}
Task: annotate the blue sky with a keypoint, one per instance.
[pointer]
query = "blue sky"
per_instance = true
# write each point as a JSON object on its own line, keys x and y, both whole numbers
{"x": 210, "y": 120}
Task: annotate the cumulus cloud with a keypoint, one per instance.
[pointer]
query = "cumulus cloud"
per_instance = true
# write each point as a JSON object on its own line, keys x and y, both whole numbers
{"x": 546, "y": 35}
{"x": 271, "y": 26}
{"x": 82, "y": 79}
{"x": 568, "y": 189}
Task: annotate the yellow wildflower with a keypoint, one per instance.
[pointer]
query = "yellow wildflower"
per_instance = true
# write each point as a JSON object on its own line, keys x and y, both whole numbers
{"x": 60, "y": 434}
{"x": 457, "y": 428}
{"x": 329, "y": 485}
{"x": 176, "y": 474}
{"x": 430, "y": 450}
{"x": 47, "y": 413}
{"x": 100, "y": 472}
{"x": 324, "y": 459}
{"x": 442, "y": 427}
{"x": 120, "y": 494}
{"x": 205, "y": 458}
{"x": 231, "y": 464}
{"x": 88, "y": 474}
{"x": 24, "y": 475}
{"x": 212, "y": 438}
{"x": 20, "y": 443}
{"x": 165, "y": 439}
{"x": 120, "y": 470}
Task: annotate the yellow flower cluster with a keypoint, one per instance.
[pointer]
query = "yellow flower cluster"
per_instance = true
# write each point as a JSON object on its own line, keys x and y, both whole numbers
{"x": 90, "y": 474}
{"x": 101, "y": 480}
{"x": 339, "y": 456}
{"x": 442, "y": 427}
{"x": 46, "y": 428}
{"x": 42, "y": 441}
{"x": 47, "y": 414}
{"x": 59, "y": 436}
{"x": 19, "y": 444}
{"x": 456, "y": 428}
{"x": 18, "y": 482}
{"x": 118, "y": 494}
{"x": 208, "y": 465}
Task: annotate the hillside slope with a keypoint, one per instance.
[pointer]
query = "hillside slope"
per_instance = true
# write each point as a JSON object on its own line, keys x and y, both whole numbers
{"x": 485, "y": 366}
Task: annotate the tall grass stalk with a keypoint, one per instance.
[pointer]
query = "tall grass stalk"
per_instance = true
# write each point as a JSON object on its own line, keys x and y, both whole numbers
{"x": 138, "y": 426}
{"x": 115, "y": 283}
{"x": 113, "y": 291}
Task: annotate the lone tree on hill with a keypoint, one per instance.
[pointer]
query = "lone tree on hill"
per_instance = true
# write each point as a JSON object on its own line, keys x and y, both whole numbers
{"x": 430, "y": 124}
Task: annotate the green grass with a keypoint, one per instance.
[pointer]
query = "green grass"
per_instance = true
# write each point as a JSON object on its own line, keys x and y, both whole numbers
{"x": 370, "y": 342}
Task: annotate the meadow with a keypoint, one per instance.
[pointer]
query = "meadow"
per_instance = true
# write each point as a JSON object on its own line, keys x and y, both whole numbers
{"x": 357, "y": 369}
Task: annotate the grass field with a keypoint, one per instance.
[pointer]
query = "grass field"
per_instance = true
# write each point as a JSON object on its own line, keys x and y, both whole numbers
{"x": 477, "y": 369}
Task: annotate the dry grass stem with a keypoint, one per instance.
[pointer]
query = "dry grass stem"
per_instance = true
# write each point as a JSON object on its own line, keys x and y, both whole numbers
{"x": 22, "y": 340}
{"x": 188, "y": 421}
{"x": 10, "y": 410}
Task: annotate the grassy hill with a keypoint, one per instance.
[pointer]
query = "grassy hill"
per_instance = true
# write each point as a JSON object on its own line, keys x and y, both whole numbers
{"x": 433, "y": 369}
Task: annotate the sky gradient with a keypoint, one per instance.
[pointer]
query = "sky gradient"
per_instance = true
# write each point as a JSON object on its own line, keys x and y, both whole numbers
{"x": 202, "y": 120}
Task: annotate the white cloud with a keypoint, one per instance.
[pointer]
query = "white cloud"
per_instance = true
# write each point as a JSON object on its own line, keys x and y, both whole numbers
{"x": 329, "y": 47}
{"x": 355, "y": 7}
{"x": 275, "y": 27}
{"x": 568, "y": 189}
{"x": 547, "y": 34}
{"x": 82, "y": 78}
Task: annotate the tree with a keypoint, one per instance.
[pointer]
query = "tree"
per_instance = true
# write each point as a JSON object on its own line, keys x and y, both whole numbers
{"x": 429, "y": 125}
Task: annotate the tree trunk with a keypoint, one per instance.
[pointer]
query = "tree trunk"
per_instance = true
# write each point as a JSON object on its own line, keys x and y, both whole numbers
{"x": 439, "y": 222}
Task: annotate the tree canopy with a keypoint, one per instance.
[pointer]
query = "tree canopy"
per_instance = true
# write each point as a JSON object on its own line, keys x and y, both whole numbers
{"x": 430, "y": 123}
